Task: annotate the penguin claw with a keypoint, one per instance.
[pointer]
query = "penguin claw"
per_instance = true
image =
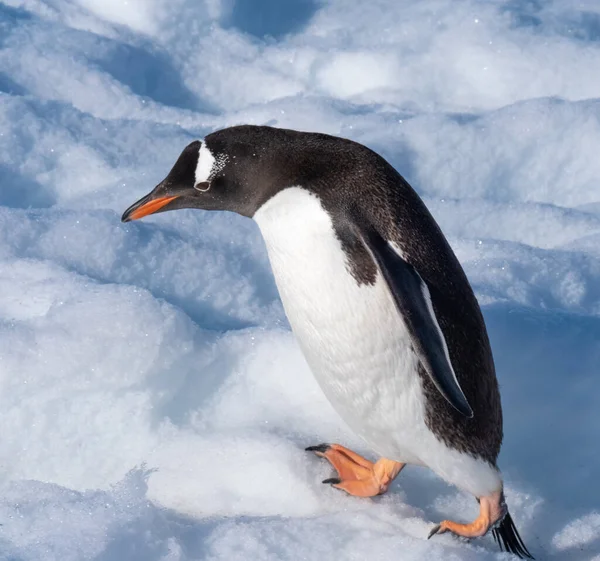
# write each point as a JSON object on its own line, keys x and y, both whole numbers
{"x": 332, "y": 481}
{"x": 318, "y": 448}
{"x": 436, "y": 529}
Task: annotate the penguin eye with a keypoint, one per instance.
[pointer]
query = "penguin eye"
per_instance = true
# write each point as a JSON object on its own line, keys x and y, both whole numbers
{"x": 203, "y": 187}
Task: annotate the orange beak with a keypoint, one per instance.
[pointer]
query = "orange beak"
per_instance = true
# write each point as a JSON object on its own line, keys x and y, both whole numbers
{"x": 146, "y": 206}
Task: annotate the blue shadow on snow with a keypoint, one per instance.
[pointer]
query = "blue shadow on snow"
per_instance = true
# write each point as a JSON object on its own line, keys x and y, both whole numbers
{"x": 148, "y": 73}
{"x": 271, "y": 18}
{"x": 22, "y": 192}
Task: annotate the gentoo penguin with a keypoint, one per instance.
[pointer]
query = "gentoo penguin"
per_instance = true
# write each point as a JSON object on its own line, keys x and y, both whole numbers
{"x": 377, "y": 300}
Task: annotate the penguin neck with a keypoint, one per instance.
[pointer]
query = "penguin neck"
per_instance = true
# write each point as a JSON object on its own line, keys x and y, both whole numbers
{"x": 297, "y": 230}
{"x": 288, "y": 167}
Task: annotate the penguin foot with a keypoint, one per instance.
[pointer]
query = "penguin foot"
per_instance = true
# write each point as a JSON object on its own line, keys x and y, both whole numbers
{"x": 357, "y": 476}
{"x": 491, "y": 510}
{"x": 493, "y": 515}
{"x": 474, "y": 530}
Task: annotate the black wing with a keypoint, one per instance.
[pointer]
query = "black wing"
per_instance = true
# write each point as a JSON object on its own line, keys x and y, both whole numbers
{"x": 413, "y": 300}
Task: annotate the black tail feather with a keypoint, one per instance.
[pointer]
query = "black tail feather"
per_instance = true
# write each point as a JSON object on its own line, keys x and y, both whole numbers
{"x": 508, "y": 539}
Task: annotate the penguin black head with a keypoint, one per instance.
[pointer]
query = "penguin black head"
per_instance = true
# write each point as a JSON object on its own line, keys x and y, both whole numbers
{"x": 235, "y": 169}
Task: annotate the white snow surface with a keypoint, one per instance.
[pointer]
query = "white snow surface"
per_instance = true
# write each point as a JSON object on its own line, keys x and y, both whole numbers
{"x": 154, "y": 403}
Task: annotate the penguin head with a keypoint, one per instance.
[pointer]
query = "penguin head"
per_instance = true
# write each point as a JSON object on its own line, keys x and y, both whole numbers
{"x": 233, "y": 169}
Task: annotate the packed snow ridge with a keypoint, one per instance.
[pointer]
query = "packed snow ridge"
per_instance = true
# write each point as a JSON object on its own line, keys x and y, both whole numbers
{"x": 153, "y": 400}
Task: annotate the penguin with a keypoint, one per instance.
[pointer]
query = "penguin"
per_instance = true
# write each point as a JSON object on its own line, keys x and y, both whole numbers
{"x": 378, "y": 302}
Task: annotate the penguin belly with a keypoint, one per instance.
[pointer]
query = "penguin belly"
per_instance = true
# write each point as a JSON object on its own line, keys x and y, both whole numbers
{"x": 355, "y": 341}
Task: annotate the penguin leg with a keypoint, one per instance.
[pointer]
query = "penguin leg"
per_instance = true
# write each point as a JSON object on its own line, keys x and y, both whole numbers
{"x": 357, "y": 475}
{"x": 491, "y": 511}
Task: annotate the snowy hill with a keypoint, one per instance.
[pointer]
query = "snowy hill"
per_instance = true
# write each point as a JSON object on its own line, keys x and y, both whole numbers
{"x": 154, "y": 403}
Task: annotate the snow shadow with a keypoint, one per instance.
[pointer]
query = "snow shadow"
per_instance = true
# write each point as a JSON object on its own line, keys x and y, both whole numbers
{"x": 271, "y": 18}
{"x": 148, "y": 73}
{"x": 19, "y": 191}
{"x": 547, "y": 364}
{"x": 580, "y": 25}
{"x": 9, "y": 86}
{"x": 12, "y": 14}
{"x": 9, "y": 17}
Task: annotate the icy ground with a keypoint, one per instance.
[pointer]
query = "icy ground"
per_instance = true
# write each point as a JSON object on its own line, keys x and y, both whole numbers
{"x": 153, "y": 402}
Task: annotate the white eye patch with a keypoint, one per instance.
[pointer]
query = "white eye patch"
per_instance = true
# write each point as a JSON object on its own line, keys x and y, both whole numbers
{"x": 206, "y": 162}
{"x": 207, "y": 166}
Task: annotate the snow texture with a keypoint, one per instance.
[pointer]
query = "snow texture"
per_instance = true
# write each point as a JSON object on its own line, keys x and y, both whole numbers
{"x": 154, "y": 403}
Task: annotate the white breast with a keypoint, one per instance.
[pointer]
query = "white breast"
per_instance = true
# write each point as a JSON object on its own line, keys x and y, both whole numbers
{"x": 352, "y": 336}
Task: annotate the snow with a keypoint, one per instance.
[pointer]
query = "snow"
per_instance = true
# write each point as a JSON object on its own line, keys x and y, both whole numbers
{"x": 154, "y": 403}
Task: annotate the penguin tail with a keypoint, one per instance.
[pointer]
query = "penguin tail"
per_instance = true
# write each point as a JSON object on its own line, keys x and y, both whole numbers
{"x": 508, "y": 539}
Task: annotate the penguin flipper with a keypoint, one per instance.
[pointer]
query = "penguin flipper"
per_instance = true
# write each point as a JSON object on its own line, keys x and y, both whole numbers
{"x": 413, "y": 301}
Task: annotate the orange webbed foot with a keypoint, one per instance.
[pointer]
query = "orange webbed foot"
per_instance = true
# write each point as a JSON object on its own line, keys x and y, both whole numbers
{"x": 357, "y": 476}
{"x": 491, "y": 509}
